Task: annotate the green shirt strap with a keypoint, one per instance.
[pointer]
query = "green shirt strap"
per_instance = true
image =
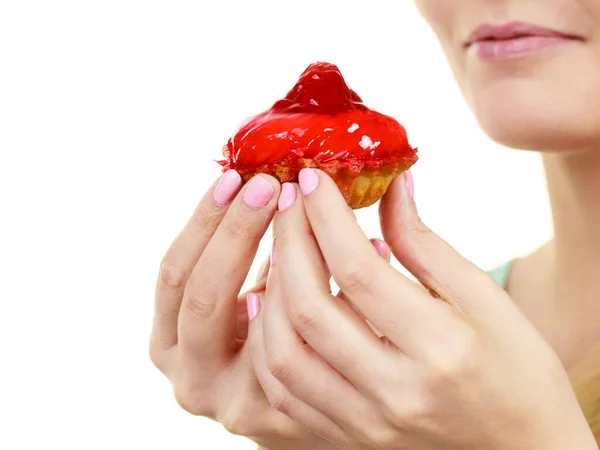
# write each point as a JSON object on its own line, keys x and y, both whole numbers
{"x": 500, "y": 274}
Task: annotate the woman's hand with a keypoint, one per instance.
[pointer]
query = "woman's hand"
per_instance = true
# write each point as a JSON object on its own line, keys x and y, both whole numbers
{"x": 459, "y": 366}
{"x": 200, "y": 325}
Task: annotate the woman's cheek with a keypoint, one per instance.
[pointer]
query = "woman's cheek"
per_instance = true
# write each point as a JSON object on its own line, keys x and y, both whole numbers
{"x": 444, "y": 18}
{"x": 438, "y": 14}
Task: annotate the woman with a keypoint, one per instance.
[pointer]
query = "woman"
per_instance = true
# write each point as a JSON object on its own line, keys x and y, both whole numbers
{"x": 461, "y": 364}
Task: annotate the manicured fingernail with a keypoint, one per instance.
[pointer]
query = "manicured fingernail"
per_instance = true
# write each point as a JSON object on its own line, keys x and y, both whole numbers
{"x": 273, "y": 254}
{"x": 410, "y": 183}
{"x": 287, "y": 197}
{"x": 381, "y": 247}
{"x": 309, "y": 180}
{"x": 258, "y": 193}
{"x": 227, "y": 187}
{"x": 253, "y": 304}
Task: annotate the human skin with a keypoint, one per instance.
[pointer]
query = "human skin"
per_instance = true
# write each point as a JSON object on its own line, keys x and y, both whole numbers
{"x": 556, "y": 288}
{"x": 460, "y": 367}
{"x": 200, "y": 331}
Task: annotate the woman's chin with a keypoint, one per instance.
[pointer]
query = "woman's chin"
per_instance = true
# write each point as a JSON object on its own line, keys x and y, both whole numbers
{"x": 536, "y": 138}
{"x": 538, "y": 128}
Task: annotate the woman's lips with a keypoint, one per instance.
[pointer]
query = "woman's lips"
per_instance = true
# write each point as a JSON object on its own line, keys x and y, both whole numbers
{"x": 514, "y": 39}
{"x": 514, "y": 47}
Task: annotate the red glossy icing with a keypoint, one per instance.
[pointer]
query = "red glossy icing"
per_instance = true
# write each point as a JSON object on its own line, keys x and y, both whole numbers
{"x": 321, "y": 119}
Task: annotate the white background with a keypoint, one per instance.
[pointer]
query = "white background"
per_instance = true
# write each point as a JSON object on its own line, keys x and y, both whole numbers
{"x": 111, "y": 113}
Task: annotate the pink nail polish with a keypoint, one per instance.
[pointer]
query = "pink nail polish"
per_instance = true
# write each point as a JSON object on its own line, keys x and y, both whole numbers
{"x": 227, "y": 187}
{"x": 309, "y": 180}
{"x": 287, "y": 197}
{"x": 253, "y": 304}
{"x": 380, "y": 246}
{"x": 410, "y": 183}
{"x": 258, "y": 193}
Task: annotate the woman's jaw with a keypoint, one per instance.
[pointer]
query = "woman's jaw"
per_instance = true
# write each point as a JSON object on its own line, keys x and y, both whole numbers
{"x": 542, "y": 101}
{"x": 528, "y": 68}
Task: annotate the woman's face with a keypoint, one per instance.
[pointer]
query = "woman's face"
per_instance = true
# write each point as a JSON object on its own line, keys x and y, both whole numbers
{"x": 530, "y": 69}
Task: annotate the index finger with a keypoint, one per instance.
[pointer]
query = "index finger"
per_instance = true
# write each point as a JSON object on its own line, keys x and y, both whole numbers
{"x": 393, "y": 303}
{"x": 183, "y": 254}
{"x": 208, "y": 316}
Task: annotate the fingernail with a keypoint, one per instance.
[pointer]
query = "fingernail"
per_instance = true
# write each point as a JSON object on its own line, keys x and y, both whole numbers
{"x": 410, "y": 183}
{"x": 258, "y": 193}
{"x": 309, "y": 180}
{"x": 253, "y": 304}
{"x": 381, "y": 247}
{"x": 273, "y": 254}
{"x": 287, "y": 197}
{"x": 227, "y": 187}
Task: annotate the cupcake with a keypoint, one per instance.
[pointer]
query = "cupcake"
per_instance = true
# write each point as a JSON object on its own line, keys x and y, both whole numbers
{"x": 323, "y": 124}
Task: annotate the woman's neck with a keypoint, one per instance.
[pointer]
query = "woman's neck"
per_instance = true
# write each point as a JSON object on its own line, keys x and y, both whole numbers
{"x": 558, "y": 287}
{"x": 574, "y": 189}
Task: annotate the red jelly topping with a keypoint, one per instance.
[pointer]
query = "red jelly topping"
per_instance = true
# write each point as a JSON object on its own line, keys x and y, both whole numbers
{"x": 321, "y": 119}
